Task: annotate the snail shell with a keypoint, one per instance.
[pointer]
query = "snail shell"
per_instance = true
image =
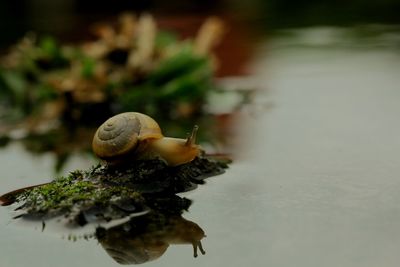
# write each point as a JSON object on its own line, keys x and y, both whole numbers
{"x": 136, "y": 135}
{"x": 123, "y": 134}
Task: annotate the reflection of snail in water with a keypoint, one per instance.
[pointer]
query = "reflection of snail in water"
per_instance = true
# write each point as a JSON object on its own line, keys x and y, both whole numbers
{"x": 135, "y": 135}
{"x": 146, "y": 238}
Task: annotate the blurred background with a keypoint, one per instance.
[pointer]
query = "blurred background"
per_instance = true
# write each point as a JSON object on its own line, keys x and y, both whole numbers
{"x": 55, "y": 89}
{"x": 66, "y": 19}
{"x": 303, "y": 94}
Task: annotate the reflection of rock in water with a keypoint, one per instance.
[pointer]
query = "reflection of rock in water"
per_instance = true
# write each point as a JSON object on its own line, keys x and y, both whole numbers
{"x": 147, "y": 237}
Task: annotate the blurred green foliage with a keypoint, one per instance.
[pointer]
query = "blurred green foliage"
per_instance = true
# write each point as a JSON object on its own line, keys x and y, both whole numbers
{"x": 183, "y": 77}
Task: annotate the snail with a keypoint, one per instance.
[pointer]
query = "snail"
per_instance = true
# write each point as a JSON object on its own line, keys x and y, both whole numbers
{"x": 147, "y": 238}
{"x": 133, "y": 135}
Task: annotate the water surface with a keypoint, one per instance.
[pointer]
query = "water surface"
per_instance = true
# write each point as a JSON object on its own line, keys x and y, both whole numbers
{"x": 315, "y": 182}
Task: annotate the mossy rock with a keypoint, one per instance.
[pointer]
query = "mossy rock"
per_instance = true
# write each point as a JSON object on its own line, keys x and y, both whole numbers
{"x": 105, "y": 193}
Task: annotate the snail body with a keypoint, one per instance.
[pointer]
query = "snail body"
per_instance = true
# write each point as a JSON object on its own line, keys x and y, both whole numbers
{"x": 133, "y": 135}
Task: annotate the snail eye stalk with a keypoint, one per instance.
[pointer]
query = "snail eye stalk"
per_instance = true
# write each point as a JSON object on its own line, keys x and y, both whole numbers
{"x": 191, "y": 139}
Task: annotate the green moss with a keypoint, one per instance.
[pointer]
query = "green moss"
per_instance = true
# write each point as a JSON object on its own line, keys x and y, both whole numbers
{"x": 73, "y": 191}
{"x": 106, "y": 193}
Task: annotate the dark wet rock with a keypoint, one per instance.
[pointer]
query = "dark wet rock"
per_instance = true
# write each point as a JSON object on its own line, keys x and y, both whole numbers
{"x": 105, "y": 193}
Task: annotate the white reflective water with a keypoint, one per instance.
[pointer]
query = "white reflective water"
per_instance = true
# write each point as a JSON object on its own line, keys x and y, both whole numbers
{"x": 316, "y": 182}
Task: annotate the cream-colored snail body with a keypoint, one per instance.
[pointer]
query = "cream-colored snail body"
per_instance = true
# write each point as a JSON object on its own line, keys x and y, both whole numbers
{"x": 133, "y": 135}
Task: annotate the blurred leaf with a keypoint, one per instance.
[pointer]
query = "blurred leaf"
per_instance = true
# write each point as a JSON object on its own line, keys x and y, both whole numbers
{"x": 16, "y": 84}
{"x": 174, "y": 66}
{"x": 164, "y": 39}
{"x": 136, "y": 98}
{"x": 49, "y": 46}
{"x": 14, "y": 80}
{"x": 88, "y": 65}
{"x": 50, "y": 55}
{"x": 191, "y": 85}
{"x": 44, "y": 92}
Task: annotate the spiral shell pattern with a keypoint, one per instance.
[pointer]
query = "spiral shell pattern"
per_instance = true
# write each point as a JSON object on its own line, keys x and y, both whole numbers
{"x": 122, "y": 133}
